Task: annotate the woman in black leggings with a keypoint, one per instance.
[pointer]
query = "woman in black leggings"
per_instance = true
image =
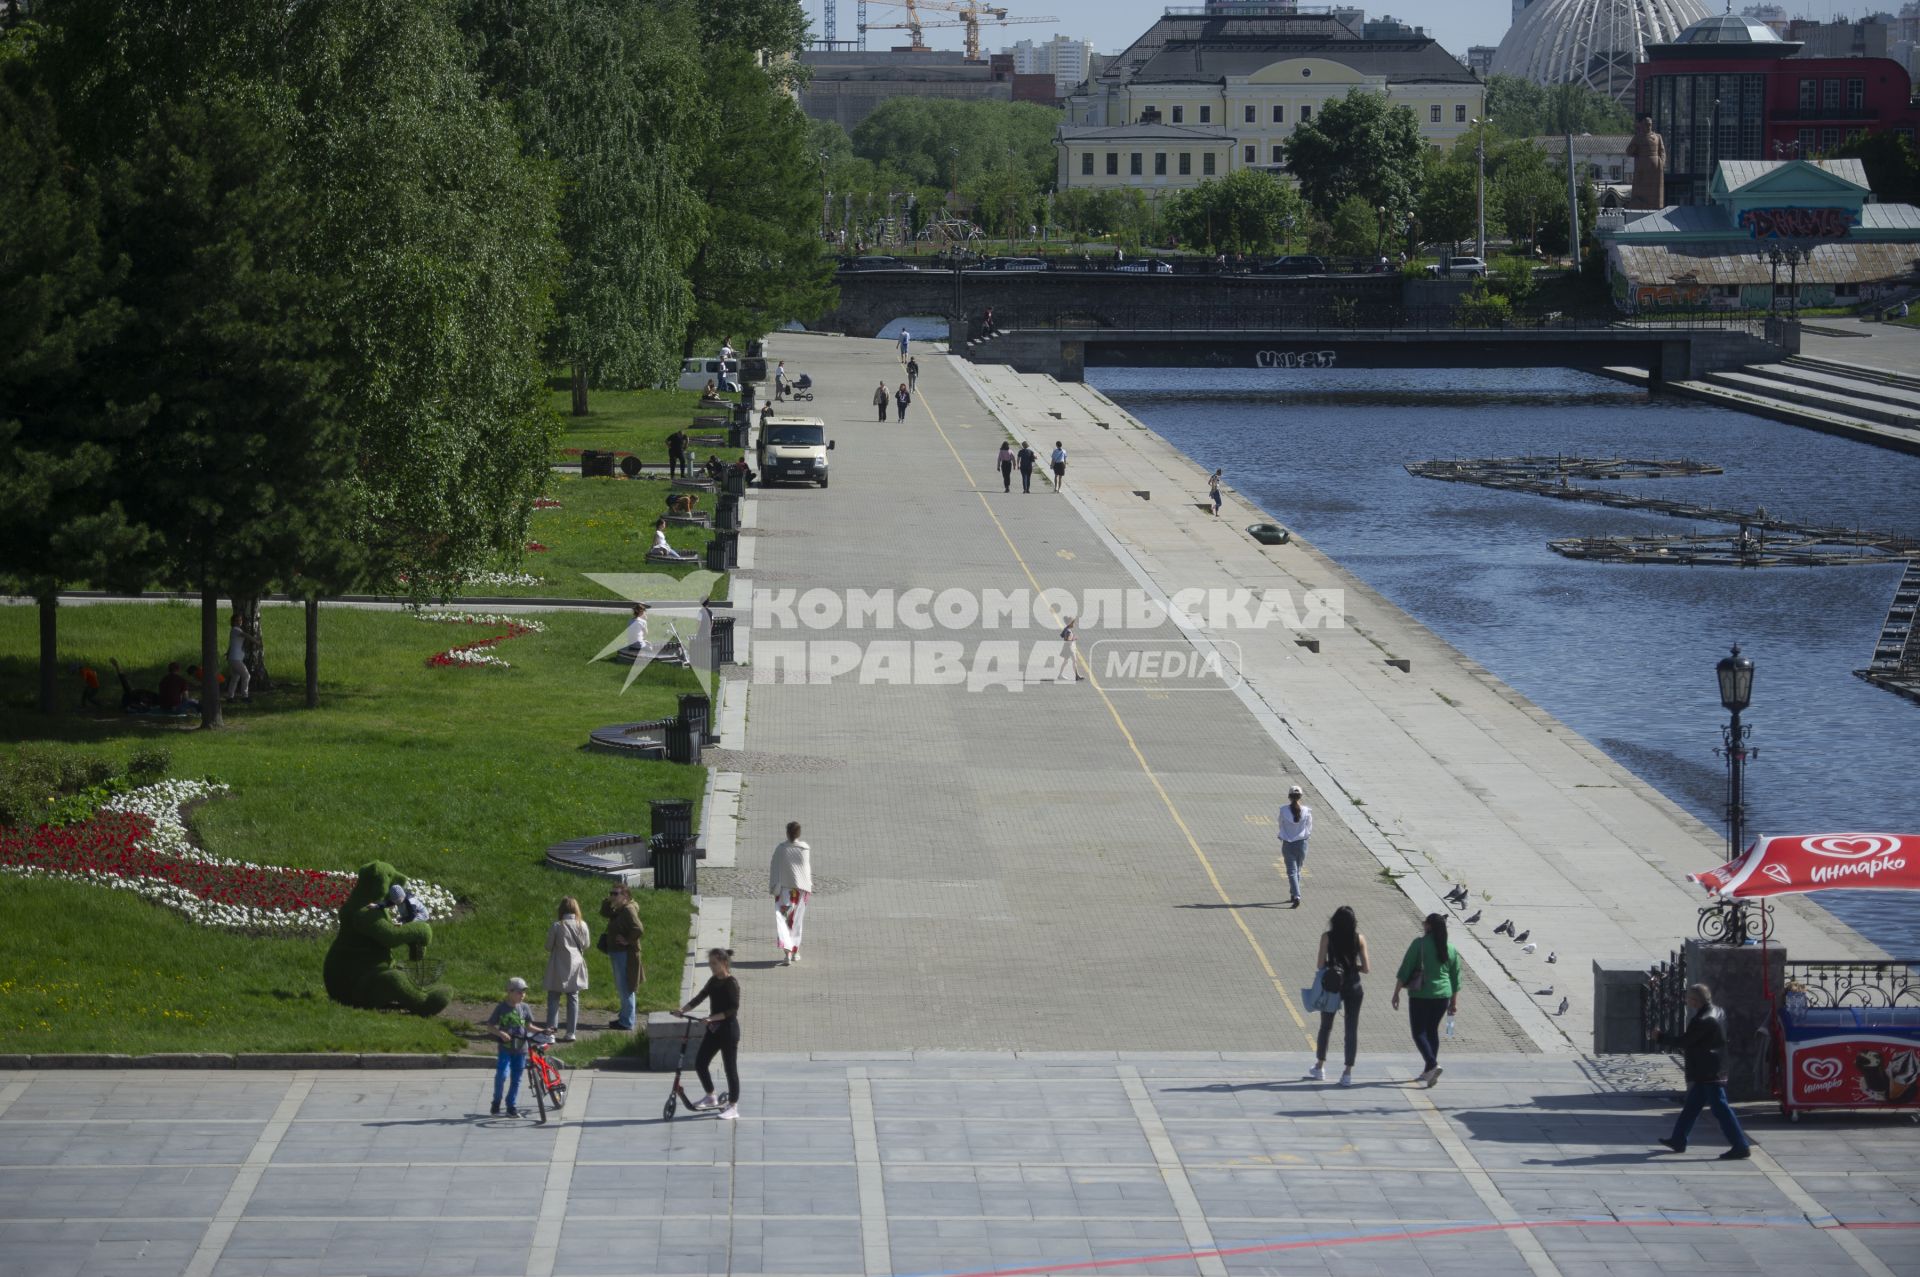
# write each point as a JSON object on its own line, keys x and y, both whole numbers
{"x": 722, "y": 994}
{"x": 1343, "y": 947}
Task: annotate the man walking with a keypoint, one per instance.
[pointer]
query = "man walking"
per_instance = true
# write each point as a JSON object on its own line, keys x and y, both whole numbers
{"x": 1059, "y": 467}
{"x": 790, "y": 879}
{"x": 1213, "y": 492}
{"x": 1296, "y": 826}
{"x": 913, "y": 374}
{"x": 1026, "y": 457}
{"x": 903, "y": 345}
{"x": 677, "y": 455}
{"x": 880, "y": 397}
{"x": 1704, "y": 1049}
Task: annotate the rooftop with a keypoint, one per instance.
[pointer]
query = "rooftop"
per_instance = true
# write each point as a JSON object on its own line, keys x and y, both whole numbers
{"x": 1213, "y": 60}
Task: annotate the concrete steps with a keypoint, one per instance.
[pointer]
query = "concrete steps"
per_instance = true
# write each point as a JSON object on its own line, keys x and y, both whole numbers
{"x": 1832, "y": 395}
{"x": 1895, "y": 391}
{"x": 1855, "y": 372}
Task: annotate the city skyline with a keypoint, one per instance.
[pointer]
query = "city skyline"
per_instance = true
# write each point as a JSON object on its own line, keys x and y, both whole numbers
{"x": 1110, "y": 28}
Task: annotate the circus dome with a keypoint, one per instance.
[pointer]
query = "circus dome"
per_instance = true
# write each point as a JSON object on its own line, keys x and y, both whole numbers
{"x": 1591, "y": 42}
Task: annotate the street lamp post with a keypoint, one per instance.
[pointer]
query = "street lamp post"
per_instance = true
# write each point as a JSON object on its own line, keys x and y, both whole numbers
{"x": 1735, "y": 675}
{"x": 1480, "y": 189}
{"x": 1380, "y": 239}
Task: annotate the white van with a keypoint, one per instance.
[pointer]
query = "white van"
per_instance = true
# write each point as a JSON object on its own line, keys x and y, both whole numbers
{"x": 696, "y": 373}
{"x": 793, "y": 450}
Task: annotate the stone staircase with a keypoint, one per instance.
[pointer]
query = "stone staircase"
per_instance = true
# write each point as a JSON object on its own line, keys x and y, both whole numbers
{"x": 1870, "y": 404}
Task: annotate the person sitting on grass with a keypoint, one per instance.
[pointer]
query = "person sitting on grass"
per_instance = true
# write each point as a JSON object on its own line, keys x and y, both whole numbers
{"x": 173, "y": 692}
{"x": 134, "y": 700}
{"x": 661, "y": 550}
{"x": 89, "y": 685}
{"x": 510, "y": 1022}
{"x": 715, "y": 468}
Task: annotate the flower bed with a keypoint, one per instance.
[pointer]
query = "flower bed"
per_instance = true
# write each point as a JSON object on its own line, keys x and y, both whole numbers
{"x": 137, "y": 842}
{"x": 478, "y": 653}
{"x": 534, "y": 547}
{"x": 545, "y": 503}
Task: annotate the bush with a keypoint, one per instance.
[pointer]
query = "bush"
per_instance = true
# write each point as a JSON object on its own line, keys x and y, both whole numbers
{"x": 1483, "y": 309}
{"x": 40, "y": 785}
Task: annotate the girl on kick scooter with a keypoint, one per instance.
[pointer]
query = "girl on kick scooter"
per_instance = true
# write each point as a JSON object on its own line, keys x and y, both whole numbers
{"x": 722, "y": 994}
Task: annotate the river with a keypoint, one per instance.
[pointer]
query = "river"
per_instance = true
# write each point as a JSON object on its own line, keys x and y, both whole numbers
{"x": 1623, "y": 654}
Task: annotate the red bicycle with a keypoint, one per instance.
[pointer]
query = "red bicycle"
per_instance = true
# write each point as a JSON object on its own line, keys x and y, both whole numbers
{"x": 545, "y": 1079}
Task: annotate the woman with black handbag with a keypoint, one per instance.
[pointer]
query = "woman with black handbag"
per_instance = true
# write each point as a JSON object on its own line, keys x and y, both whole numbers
{"x": 1430, "y": 973}
{"x": 1343, "y": 960}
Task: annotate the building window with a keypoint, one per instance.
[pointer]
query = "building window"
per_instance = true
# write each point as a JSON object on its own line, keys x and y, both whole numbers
{"x": 1276, "y": 153}
{"x": 1830, "y": 94}
{"x": 1248, "y": 114}
{"x": 1279, "y": 114}
{"x": 1856, "y": 94}
{"x": 1459, "y": 115}
{"x": 1159, "y": 163}
{"x": 1086, "y": 164}
{"x": 1804, "y": 140}
{"x": 1829, "y": 138}
{"x": 1133, "y": 165}
{"x": 1247, "y": 154}
{"x": 1113, "y": 164}
{"x": 1186, "y": 164}
{"x": 1613, "y": 172}
{"x": 1433, "y": 114}
{"x": 1306, "y": 113}
{"x": 1206, "y": 164}
{"x": 1206, "y": 113}
{"x": 1179, "y": 114}
{"x": 1809, "y": 94}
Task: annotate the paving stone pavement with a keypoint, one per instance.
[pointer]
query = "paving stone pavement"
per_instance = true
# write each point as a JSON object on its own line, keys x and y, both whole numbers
{"x": 937, "y": 1163}
{"x": 1055, "y": 866}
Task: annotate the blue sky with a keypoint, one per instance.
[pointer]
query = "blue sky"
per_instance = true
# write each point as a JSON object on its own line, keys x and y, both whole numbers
{"x": 1112, "y": 24}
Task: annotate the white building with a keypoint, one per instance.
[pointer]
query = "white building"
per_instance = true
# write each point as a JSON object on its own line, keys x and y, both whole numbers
{"x": 1063, "y": 57}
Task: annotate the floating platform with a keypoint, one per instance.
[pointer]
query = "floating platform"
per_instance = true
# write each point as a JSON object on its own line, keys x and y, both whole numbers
{"x": 1502, "y": 472}
{"x": 1896, "y": 656}
{"x": 1741, "y": 549}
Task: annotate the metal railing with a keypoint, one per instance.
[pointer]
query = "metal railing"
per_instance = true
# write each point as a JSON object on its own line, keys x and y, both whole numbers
{"x": 1358, "y": 318}
{"x": 1894, "y": 982}
{"x": 1663, "y": 1001}
{"x": 1084, "y": 262}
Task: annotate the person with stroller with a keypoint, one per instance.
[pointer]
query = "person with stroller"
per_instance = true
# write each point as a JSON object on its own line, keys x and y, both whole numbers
{"x": 722, "y": 994}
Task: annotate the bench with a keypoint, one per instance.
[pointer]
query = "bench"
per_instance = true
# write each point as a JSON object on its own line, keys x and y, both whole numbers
{"x": 670, "y": 556}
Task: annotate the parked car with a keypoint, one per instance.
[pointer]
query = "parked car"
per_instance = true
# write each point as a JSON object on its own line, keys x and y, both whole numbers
{"x": 1145, "y": 266}
{"x": 1472, "y": 267}
{"x": 1011, "y": 263}
{"x": 696, "y": 373}
{"x": 877, "y": 262}
{"x": 1297, "y": 264}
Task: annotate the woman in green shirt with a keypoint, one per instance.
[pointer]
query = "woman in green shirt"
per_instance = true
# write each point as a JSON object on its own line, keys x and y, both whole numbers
{"x": 1430, "y": 973}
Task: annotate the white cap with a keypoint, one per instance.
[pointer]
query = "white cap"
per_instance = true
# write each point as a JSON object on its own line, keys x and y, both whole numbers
{"x": 516, "y": 985}
{"x": 1295, "y": 792}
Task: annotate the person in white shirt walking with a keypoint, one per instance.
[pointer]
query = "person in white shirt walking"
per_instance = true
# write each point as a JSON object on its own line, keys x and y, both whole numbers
{"x": 790, "y": 879}
{"x": 1059, "y": 466}
{"x": 1296, "y": 826}
{"x": 239, "y": 681}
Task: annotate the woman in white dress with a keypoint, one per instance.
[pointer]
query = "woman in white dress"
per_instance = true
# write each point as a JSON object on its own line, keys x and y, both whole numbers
{"x": 790, "y": 879}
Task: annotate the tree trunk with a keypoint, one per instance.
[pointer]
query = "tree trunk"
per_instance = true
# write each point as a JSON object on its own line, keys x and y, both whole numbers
{"x": 579, "y": 391}
{"x": 260, "y": 680}
{"x": 210, "y": 653}
{"x": 49, "y": 653}
{"x": 313, "y": 653}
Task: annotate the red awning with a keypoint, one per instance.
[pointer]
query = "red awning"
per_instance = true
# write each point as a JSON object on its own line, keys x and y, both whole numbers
{"x": 1818, "y": 862}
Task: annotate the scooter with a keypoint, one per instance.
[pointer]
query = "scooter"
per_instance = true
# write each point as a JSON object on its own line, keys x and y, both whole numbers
{"x": 679, "y": 1095}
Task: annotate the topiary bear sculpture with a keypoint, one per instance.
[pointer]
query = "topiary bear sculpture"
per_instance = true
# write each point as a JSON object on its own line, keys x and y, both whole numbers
{"x": 360, "y": 970}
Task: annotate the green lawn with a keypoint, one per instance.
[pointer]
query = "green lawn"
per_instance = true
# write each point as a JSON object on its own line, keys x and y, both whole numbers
{"x": 600, "y": 526}
{"x": 457, "y": 776}
{"x": 636, "y": 421}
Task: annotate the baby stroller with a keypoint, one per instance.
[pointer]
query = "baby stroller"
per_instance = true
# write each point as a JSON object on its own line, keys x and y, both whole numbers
{"x": 802, "y": 388}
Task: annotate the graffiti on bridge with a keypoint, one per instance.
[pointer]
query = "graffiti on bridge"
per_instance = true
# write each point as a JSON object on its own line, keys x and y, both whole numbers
{"x": 1294, "y": 359}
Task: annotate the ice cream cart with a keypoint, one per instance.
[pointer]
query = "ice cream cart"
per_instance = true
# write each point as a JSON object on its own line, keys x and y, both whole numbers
{"x": 1848, "y": 1058}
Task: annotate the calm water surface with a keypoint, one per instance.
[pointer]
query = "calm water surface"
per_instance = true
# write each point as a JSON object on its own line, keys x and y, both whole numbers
{"x": 1624, "y": 654}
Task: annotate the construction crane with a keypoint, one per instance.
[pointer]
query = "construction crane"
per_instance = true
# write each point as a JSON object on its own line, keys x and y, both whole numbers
{"x": 971, "y": 12}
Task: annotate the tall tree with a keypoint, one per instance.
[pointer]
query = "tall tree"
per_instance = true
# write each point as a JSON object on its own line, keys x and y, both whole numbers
{"x": 1892, "y": 164}
{"x": 1358, "y": 145}
{"x": 241, "y": 460}
{"x": 1248, "y": 211}
{"x": 1447, "y": 196}
{"x": 59, "y": 521}
{"x": 760, "y": 262}
{"x": 609, "y": 92}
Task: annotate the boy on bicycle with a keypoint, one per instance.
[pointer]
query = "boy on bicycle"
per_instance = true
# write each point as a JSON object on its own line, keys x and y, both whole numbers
{"x": 510, "y": 1022}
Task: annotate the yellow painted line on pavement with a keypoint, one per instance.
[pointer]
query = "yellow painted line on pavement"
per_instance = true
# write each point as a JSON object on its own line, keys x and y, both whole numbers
{"x": 1233, "y": 910}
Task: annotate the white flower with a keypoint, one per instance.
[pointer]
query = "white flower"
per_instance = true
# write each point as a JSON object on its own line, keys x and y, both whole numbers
{"x": 526, "y": 623}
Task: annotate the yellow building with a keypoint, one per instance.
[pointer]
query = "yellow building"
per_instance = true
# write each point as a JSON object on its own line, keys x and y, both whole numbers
{"x": 1228, "y": 91}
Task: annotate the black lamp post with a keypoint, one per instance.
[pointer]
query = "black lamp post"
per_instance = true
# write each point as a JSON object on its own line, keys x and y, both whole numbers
{"x": 1728, "y": 921}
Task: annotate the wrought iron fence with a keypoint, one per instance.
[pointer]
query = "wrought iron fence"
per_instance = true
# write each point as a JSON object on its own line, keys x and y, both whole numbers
{"x": 1352, "y": 316}
{"x": 1663, "y": 1005}
{"x": 1892, "y": 983}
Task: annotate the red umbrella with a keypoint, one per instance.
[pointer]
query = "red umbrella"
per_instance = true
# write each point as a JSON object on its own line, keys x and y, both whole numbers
{"x": 1818, "y": 862}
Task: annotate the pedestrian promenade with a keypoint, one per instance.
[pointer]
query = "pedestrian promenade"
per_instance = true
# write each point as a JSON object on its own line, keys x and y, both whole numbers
{"x": 1154, "y": 1165}
{"x": 1058, "y": 867}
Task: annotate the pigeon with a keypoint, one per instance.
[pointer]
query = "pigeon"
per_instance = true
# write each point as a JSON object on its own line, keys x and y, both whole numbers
{"x": 1553, "y": 957}
{"x": 1504, "y": 929}
{"x": 1477, "y": 913}
{"x": 1458, "y": 896}
{"x": 1564, "y": 1004}
{"x": 1543, "y": 993}
{"x": 1528, "y": 948}
{"x": 1522, "y": 937}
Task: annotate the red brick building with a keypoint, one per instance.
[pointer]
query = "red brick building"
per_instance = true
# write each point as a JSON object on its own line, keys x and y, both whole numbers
{"x": 1729, "y": 88}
